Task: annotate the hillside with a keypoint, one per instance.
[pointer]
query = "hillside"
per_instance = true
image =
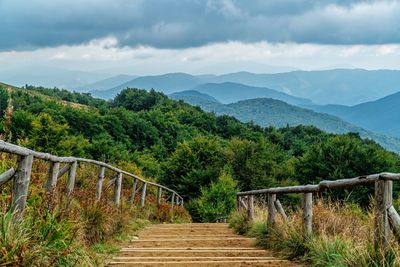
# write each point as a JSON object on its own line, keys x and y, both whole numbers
{"x": 269, "y": 112}
{"x": 380, "y": 116}
{"x": 229, "y": 92}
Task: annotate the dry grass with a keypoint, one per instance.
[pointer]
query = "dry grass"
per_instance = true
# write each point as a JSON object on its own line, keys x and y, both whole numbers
{"x": 342, "y": 236}
{"x": 61, "y": 231}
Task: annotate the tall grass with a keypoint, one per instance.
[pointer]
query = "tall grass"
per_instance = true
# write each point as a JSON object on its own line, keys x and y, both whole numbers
{"x": 342, "y": 236}
{"x": 59, "y": 231}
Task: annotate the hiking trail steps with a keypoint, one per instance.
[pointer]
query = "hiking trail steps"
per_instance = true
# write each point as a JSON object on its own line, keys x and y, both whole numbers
{"x": 193, "y": 244}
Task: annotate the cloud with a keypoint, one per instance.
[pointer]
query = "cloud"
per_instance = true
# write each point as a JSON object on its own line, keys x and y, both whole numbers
{"x": 27, "y": 24}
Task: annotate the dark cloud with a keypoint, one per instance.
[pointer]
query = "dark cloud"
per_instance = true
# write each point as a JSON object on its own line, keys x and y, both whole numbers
{"x": 29, "y": 24}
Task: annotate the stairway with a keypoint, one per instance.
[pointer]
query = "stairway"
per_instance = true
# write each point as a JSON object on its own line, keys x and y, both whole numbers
{"x": 193, "y": 244}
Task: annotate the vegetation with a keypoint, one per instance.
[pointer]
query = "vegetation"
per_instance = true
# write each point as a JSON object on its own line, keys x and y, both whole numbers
{"x": 205, "y": 157}
{"x": 342, "y": 236}
{"x": 185, "y": 148}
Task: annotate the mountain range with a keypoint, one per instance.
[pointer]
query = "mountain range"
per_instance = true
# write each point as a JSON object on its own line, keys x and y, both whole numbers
{"x": 382, "y": 115}
{"x": 272, "y": 112}
{"x": 337, "y": 86}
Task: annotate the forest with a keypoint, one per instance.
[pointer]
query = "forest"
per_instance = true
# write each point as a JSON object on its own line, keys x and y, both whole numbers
{"x": 204, "y": 157}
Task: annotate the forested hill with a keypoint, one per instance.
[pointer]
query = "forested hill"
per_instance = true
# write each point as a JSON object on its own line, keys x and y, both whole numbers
{"x": 182, "y": 146}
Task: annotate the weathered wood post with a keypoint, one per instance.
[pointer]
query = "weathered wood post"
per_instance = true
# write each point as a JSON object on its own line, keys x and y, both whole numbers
{"x": 281, "y": 211}
{"x": 134, "y": 188}
{"x": 63, "y": 170}
{"x": 307, "y": 213}
{"x": 238, "y": 203}
{"x": 51, "y": 181}
{"x": 21, "y": 183}
{"x": 159, "y": 195}
{"x": 99, "y": 184}
{"x": 71, "y": 178}
{"x": 394, "y": 220}
{"x": 143, "y": 197}
{"x": 383, "y": 201}
{"x": 6, "y": 176}
{"x": 117, "y": 189}
{"x": 250, "y": 207}
{"x": 271, "y": 209}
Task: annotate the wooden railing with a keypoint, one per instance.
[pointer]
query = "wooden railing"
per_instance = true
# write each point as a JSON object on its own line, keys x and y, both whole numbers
{"x": 22, "y": 174}
{"x": 386, "y": 216}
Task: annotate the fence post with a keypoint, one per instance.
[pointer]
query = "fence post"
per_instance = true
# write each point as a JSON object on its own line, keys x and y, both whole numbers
{"x": 383, "y": 201}
{"x": 99, "y": 184}
{"x": 250, "y": 207}
{"x": 71, "y": 178}
{"x": 280, "y": 210}
{"x": 117, "y": 189}
{"x": 271, "y": 209}
{"x": 133, "y": 193}
{"x": 21, "y": 183}
{"x": 238, "y": 203}
{"x": 51, "y": 181}
{"x": 159, "y": 194}
{"x": 143, "y": 198}
{"x": 307, "y": 213}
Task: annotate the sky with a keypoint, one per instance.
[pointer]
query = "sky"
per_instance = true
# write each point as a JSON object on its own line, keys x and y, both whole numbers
{"x": 198, "y": 36}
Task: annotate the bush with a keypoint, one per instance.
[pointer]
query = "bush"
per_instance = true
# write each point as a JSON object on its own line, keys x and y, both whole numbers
{"x": 217, "y": 201}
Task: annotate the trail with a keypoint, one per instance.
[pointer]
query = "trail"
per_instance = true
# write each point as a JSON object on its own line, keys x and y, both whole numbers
{"x": 193, "y": 244}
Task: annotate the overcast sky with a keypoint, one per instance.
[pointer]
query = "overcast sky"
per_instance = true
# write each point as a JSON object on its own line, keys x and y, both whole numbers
{"x": 199, "y": 36}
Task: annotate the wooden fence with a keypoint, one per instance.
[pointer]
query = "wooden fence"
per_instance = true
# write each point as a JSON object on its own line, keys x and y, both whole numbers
{"x": 386, "y": 216}
{"x": 22, "y": 174}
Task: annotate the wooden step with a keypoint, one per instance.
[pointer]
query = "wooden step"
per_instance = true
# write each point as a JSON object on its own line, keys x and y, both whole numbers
{"x": 193, "y": 245}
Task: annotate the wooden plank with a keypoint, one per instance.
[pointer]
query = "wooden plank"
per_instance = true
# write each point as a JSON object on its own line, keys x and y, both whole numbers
{"x": 99, "y": 184}
{"x": 6, "y": 176}
{"x": 394, "y": 220}
{"x": 63, "y": 170}
{"x": 21, "y": 183}
{"x": 280, "y": 210}
{"x": 159, "y": 195}
{"x": 271, "y": 210}
{"x": 250, "y": 207}
{"x": 143, "y": 197}
{"x": 383, "y": 198}
{"x": 51, "y": 181}
{"x": 307, "y": 213}
{"x": 133, "y": 193}
{"x": 71, "y": 178}
{"x": 117, "y": 189}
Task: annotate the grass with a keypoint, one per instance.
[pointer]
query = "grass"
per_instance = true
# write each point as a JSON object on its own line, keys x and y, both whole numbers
{"x": 57, "y": 231}
{"x": 342, "y": 236}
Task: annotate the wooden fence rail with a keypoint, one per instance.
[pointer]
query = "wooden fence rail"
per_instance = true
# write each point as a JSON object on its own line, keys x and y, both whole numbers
{"x": 22, "y": 174}
{"x": 386, "y": 216}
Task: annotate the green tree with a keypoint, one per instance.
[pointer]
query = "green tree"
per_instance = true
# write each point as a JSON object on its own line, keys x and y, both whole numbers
{"x": 216, "y": 201}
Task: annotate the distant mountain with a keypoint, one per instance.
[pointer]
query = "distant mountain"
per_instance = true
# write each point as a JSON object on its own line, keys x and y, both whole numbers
{"x": 229, "y": 92}
{"x": 337, "y": 86}
{"x": 106, "y": 83}
{"x": 382, "y": 115}
{"x": 271, "y": 112}
{"x": 167, "y": 83}
{"x": 50, "y": 77}
{"x": 193, "y": 94}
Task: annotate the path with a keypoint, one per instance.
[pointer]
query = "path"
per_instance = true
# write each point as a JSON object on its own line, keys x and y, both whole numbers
{"x": 193, "y": 245}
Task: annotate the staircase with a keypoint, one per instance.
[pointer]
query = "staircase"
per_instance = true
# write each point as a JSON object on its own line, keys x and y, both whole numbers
{"x": 193, "y": 244}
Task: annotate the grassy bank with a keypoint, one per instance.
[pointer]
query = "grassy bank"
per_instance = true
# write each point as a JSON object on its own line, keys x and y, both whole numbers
{"x": 77, "y": 231}
{"x": 342, "y": 236}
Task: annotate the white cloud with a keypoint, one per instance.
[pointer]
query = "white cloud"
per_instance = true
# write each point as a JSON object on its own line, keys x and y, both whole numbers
{"x": 105, "y": 54}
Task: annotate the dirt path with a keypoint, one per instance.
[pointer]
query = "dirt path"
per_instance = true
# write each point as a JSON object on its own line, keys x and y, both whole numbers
{"x": 193, "y": 245}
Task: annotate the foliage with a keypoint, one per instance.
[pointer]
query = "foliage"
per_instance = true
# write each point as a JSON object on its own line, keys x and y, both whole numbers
{"x": 216, "y": 201}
